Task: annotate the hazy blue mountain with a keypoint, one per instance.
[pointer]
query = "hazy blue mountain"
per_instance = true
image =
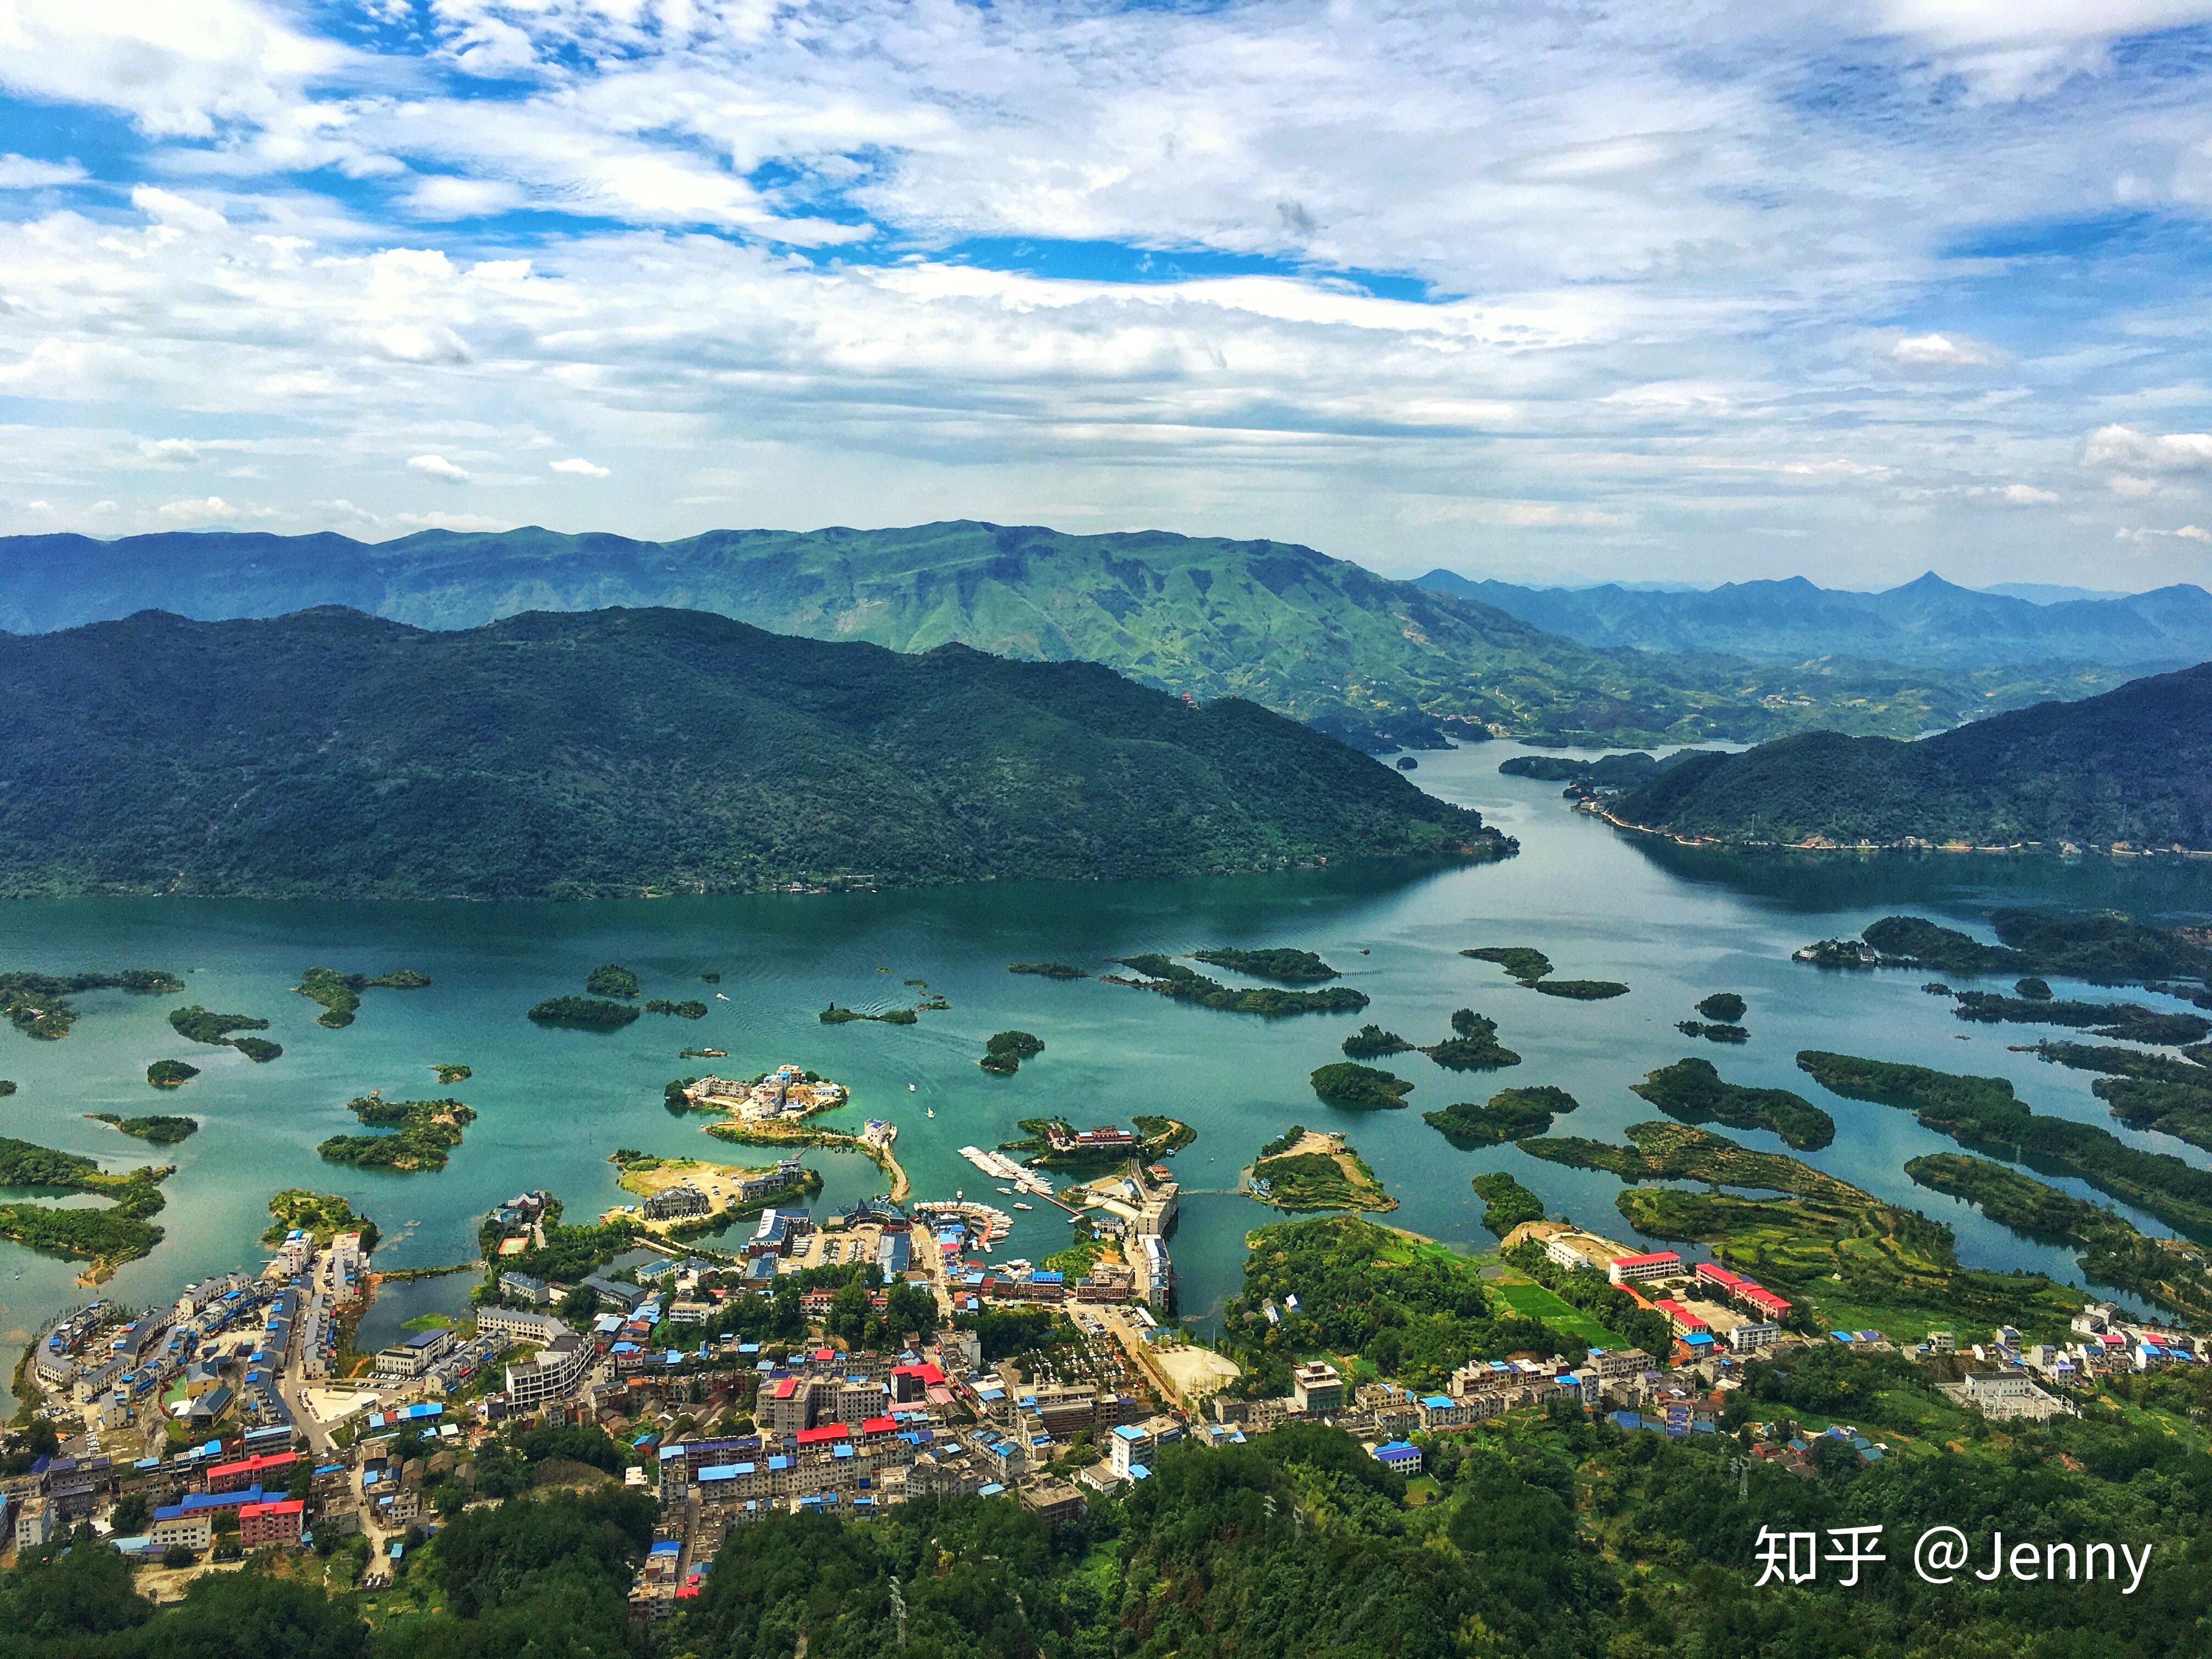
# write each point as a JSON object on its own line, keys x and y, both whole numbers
{"x": 604, "y": 752}
{"x": 1929, "y": 623}
{"x": 1376, "y": 661}
{"x": 2134, "y": 765}
{"x": 2053, "y": 593}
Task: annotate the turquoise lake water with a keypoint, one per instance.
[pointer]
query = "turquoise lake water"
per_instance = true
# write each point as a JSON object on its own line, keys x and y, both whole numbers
{"x": 1673, "y": 923}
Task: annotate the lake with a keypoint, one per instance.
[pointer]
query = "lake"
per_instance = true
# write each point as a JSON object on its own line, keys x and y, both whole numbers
{"x": 1673, "y": 923}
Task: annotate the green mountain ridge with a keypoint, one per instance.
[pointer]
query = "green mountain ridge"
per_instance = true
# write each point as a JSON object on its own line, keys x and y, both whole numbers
{"x": 2129, "y": 768}
{"x": 584, "y": 754}
{"x": 1378, "y": 662}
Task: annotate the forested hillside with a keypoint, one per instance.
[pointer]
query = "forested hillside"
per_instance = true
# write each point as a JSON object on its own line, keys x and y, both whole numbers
{"x": 1323, "y": 639}
{"x": 1930, "y": 623}
{"x": 2133, "y": 766}
{"x": 622, "y": 751}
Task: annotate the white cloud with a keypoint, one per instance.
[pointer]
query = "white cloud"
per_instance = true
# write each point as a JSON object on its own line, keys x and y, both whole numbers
{"x": 461, "y": 521}
{"x": 209, "y": 509}
{"x": 1942, "y": 350}
{"x": 582, "y": 468}
{"x": 2145, "y": 451}
{"x": 1634, "y": 285}
{"x": 2020, "y": 495}
{"x": 438, "y": 466}
{"x": 21, "y": 173}
{"x": 170, "y": 451}
{"x": 2188, "y": 532}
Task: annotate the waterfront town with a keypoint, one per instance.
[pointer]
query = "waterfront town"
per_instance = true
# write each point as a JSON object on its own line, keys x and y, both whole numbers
{"x": 193, "y": 1434}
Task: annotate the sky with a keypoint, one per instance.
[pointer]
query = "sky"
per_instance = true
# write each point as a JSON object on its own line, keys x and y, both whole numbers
{"x": 1652, "y": 290}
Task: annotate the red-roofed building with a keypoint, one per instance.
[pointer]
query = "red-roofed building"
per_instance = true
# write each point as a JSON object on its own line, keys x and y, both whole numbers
{"x": 1681, "y": 1318}
{"x": 825, "y": 1435}
{"x": 880, "y": 1425}
{"x": 249, "y": 1472}
{"x": 277, "y": 1523}
{"x": 1659, "y": 1264}
{"x": 1721, "y": 1278}
{"x": 1765, "y": 1301}
{"x": 912, "y": 1382}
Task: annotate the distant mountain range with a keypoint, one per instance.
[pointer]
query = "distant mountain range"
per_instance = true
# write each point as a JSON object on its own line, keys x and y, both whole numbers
{"x": 333, "y": 754}
{"x": 2133, "y": 767}
{"x": 1928, "y": 623}
{"x": 1378, "y": 662}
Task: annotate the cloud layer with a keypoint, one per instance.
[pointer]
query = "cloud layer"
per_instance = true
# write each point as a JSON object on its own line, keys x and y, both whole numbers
{"x": 1637, "y": 291}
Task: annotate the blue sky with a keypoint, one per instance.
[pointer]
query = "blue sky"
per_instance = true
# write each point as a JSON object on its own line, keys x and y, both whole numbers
{"x": 1639, "y": 291}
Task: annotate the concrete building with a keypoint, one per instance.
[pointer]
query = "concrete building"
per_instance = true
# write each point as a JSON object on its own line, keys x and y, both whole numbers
{"x": 677, "y": 1203}
{"x": 1634, "y": 1269}
{"x": 553, "y": 1374}
{"x": 1317, "y": 1388}
{"x": 524, "y": 1288}
{"x": 36, "y": 1523}
{"x": 413, "y": 1356}
{"x": 519, "y": 1325}
{"x": 279, "y": 1522}
{"x": 1133, "y": 1446}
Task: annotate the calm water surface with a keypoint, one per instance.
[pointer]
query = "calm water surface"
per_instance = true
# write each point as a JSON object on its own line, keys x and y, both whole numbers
{"x": 1674, "y": 924}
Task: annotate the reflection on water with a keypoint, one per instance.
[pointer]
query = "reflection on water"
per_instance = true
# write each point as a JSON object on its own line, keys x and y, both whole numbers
{"x": 1673, "y": 923}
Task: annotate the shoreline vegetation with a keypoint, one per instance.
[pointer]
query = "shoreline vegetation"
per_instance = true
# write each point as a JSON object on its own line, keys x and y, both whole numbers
{"x": 158, "y": 1129}
{"x": 197, "y": 1024}
{"x": 38, "y": 1006}
{"x": 1288, "y": 966}
{"x": 2170, "y": 1273}
{"x": 450, "y": 1073}
{"x": 1004, "y": 1051}
{"x": 325, "y": 1215}
{"x": 1310, "y": 1170}
{"x": 1171, "y": 979}
{"x": 1157, "y": 1137}
{"x": 835, "y": 1014}
{"x": 583, "y": 1013}
{"x": 340, "y": 993}
{"x": 802, "y": 1134}
{"x": 2145, "y": 1092}
{"x": 1511, "y": 1115}
{"x": 1983, "y": 1115}
{"x": 1691, "y": 1091}
{"x": 1473, "y": 1046}
{"x": 424, "y": 1132}
{"x": 1833, "y": 1249}
{"x": 106, "y": 1238}
{"x": 1506, "y": 1204}
{"x": 1372, "y": 1043}
{"x": 1048, "y": 969}
{"x": 170, "y": 1074}
{"x": 1531, "y": 969}
{"x": 612, "y": 980}
{"x": 1363, "y": 1088}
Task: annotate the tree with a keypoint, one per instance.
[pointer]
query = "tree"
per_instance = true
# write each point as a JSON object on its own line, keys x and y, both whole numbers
{"x": 128, "y": 1518}
{"x": 581, "y": 1303}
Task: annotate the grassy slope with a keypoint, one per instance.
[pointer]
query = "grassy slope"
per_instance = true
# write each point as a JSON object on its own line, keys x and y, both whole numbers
{"x": 1282, "y": 624}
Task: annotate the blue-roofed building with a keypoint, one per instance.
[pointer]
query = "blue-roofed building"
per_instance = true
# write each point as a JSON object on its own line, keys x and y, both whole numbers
{"x": 1398, "y": 1455}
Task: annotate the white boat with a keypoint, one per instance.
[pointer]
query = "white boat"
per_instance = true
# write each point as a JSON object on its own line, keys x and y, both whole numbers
{"x": 1008, "y": 1191}
{"x": 1020, "y": 1205}
{"x": 929, "y": 1112}
{"x": 910, "y": 1088}
{"x": 718, "y": 997}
